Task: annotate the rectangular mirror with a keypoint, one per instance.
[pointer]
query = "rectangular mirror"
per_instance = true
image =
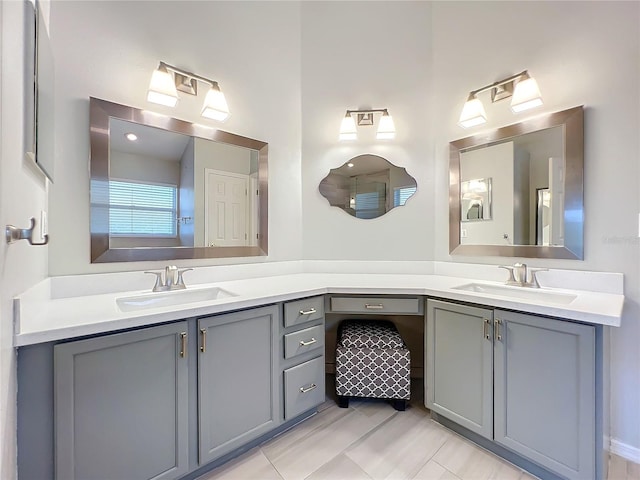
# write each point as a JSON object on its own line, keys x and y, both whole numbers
{"x": 39, "y": 90}
{"x": 518, "y": 190}
{"x": 164, "y": 189}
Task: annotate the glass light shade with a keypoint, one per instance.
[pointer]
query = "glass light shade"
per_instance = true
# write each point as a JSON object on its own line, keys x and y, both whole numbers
{"x": 472, "y": 113}
{"x": 162, "y": 89}
{"x": 386, "y": 128}
{"x": 348, "y": 128}
{"x": 215, "y": 105}
{"x": 526, "y": 95}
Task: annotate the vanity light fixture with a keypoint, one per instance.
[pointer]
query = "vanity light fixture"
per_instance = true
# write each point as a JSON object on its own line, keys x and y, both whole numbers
{"x": 521, "y": 88}
{"x": 167, "y": 80}
{"x": 386, "y": 128}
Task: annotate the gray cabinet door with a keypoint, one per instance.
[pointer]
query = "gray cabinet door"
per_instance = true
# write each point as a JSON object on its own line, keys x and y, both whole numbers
{"x": 121, "y": 406}
{"x": 459, "y": 356}
{"x": 237, "y": 378}
{"x": 545, "y": 392}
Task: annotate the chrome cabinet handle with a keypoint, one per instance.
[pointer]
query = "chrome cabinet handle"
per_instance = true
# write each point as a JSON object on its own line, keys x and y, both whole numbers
{"x": 373, "y": 306}
{"x": 308, "y": 312}
{"x": 309, "y": 388}
{"x": 183, "y": 344}
{"x": 486, "y": 329}
{"x": 203, "y": 334}
{"x": 496, "y": 329}
{"x": 308, "y": 342}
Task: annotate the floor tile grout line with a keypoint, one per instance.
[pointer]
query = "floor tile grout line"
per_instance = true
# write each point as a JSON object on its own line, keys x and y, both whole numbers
{"x": 272, "y": 465}
{"x": 356, "y": 441}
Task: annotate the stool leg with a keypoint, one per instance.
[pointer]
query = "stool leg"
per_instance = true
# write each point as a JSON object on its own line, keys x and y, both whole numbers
{"x": 343, "y": 402}
{"x": 399, "y": 405}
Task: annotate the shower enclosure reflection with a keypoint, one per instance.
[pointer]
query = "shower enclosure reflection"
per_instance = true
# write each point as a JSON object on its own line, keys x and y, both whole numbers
{"x": 367, "y": 186}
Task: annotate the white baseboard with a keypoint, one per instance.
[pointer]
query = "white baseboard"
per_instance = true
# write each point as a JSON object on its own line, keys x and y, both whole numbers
{"x": 625, "y": 451}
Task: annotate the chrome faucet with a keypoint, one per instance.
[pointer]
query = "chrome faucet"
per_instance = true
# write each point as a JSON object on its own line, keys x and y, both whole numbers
{"x": 172, "y": 279}
{"x": 519, "y": 275}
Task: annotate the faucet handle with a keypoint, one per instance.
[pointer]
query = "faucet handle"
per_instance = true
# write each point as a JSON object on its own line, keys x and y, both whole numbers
{"x": 159, "y": 285}
{"x": 180, "y": 281}
{"x": 511, "y": 279}
{"x": 534, "y": 278}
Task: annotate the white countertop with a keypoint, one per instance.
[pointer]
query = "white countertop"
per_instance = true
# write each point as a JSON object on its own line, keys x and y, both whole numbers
{"x": 43, "y": 318}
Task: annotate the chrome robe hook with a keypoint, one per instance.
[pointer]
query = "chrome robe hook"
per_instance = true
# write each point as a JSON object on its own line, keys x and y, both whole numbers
{"x": 14, "y": 234}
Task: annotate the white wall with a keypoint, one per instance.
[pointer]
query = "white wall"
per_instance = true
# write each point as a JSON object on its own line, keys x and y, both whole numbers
{"x": 497, "y": 163}
{"x": 581, "y": 53}
{"x": 108, "y": 49}
{"x": 23, "y": 194}
{"x": 371, "y": 55}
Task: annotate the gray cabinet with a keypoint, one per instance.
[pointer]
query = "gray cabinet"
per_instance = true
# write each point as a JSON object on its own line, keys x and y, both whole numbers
{"x": 545, "y": 392}
{"x": 303, "y": 387}
{"x": 238, "y": 398}
{"x": 526, "y": 383}
{"x": 459, "y": 365}
{"x": 121, "y": 406}
{"x": 302, "y": 361}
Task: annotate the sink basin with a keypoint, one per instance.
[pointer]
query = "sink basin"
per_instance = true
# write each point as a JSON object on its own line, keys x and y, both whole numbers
{"x": 519, "y": 292}
{"x": 171, "y": 298}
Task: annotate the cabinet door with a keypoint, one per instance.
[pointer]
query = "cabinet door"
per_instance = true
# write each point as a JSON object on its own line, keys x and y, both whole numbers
{"x": 121, "y": 406}
{"x": 237, "y": 395}
{"x": 545, "y": 391}
{"x": 459, "y": 365}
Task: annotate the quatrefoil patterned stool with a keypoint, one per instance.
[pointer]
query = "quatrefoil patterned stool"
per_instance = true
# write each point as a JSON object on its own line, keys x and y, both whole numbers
{"x": 372, "y": 361}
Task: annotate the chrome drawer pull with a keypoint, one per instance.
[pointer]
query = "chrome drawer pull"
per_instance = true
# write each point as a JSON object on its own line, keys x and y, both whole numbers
{"x": 203, "y": 347}
{"x": 486, "y": 329}
{"x": 309, "y": 388}
{"x": 183, "y": 344}
{"x": 307, "y": 343}
{"x": 496, "y": 329}
{"x": 311, "y": 311}
{"x": 372, "y": 306}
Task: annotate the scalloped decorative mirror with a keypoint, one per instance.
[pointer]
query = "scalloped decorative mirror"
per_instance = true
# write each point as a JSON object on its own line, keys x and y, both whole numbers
{"x": 532, "y": 205}
{"x": 367, "y": 186}
{"x": 165, "y": 189}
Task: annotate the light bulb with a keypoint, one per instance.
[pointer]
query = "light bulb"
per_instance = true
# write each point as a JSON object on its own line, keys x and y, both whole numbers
{"x": 162, "y": 88}
{"x": 473, "y": 113}
{"x": 215, "y": 105}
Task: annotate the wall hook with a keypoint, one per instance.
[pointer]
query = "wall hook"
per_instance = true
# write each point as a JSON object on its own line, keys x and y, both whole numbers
{"x": 14, "y": 234}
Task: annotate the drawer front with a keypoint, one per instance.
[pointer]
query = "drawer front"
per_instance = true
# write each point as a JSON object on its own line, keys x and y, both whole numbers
{"x": 303, "y": 341}
{"x": 371, "y": 305}
{"x": 302, "y": 311}
{"x": 303, "y": 387}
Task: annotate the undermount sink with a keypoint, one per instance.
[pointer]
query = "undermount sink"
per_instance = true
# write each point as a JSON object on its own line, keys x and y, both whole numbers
{"x": 519, "y": 292}
{"x": 171, "y": 298}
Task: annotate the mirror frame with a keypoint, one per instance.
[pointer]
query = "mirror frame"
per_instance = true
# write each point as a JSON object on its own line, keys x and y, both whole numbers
{"x": 572, "y": 121}
{"x": 100, "y": 111}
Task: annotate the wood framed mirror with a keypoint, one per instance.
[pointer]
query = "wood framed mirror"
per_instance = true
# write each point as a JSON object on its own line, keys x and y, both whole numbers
{"x": 178, "y": 191}
{"x": 546, "y": 152}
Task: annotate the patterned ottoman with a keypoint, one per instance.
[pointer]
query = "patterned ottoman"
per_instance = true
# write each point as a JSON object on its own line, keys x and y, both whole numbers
{"x": 372, "y": 361}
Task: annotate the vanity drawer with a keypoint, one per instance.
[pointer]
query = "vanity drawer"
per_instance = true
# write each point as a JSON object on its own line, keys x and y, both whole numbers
{"x": 303, "y": 387}
{"x": 373, "y": 305}
{"x": 303, "y": 341}
{"x": 302, "y": 311}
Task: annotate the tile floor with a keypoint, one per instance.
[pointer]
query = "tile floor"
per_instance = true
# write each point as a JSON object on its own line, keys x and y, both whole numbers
{"x": 370, "y": 440}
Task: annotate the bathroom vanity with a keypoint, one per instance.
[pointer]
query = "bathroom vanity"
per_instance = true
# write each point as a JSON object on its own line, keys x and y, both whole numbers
{"x": 528, "y": 384}
{"x": 169, "y": 392}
